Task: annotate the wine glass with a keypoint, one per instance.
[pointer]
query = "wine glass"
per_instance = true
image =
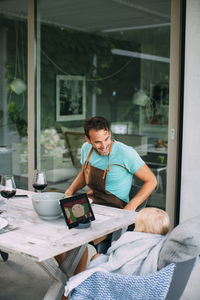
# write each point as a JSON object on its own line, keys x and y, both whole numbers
{"x": 7, "y": 187}
{"x": 39, "y": 180}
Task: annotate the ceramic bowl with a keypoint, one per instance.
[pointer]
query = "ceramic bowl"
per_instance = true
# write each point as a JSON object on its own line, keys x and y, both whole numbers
{"x": 47, "y": 205}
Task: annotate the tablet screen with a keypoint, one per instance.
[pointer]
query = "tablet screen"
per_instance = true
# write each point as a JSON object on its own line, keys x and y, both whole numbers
{"x": 77, "y": 210}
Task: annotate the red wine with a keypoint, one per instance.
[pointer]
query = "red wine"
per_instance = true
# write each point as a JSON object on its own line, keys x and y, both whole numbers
{"x": 39, "y": 187}
{"x": 8, "y": 194}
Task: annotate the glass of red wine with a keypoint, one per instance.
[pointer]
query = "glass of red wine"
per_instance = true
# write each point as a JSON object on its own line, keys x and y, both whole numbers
{"x": 7, "y": 186}
{"x": 39, "y": 180}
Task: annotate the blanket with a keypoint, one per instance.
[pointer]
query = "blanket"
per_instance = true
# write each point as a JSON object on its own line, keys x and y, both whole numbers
{"x": 112, "y": 286}
{"x": 134, "y": 253}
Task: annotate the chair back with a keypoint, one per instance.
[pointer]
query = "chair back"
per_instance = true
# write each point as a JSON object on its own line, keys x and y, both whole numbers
{"x": 180, "y": 278}
{"x": 74, "y": 141}
{"x": 134, "y": 190}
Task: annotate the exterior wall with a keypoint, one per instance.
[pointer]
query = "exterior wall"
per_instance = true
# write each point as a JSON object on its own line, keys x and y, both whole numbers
{"x": 190, "y": 177}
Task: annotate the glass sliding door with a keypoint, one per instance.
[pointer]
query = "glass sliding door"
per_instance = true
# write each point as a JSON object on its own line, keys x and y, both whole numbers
{"x": 108, "y": 58}
{"x": 13, "y": 91}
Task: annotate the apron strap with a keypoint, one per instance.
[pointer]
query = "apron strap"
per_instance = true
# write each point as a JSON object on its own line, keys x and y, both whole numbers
{"x": 107, "y": 169}
{"x": 87, "y": 160}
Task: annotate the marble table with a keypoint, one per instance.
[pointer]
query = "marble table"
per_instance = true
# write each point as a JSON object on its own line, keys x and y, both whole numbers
{"x": 41, "y": 240}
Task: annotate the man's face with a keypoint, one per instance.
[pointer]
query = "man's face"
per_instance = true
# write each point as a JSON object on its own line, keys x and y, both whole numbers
{"x": 100, "y": 140}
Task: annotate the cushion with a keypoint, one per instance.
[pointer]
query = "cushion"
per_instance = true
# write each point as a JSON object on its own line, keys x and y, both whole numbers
{"x": 182, "y": 244}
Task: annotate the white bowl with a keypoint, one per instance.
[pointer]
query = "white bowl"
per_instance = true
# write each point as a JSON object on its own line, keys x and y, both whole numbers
{"x": 47, "y": 205}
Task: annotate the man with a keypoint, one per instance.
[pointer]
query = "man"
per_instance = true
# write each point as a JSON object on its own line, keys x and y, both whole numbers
{"x": 108, "y": 168}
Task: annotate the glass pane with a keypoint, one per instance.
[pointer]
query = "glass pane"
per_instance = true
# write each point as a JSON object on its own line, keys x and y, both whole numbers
{"x": 108, "y": 58}
{"x": 13, "y": 91}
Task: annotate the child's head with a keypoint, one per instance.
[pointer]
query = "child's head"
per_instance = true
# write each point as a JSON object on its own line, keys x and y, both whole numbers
{"x": 152, "y": 220}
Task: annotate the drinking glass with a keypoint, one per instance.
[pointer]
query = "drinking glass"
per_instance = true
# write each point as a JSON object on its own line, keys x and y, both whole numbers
{"x": 7, "y": 186}
{"x": 39, "y": 180}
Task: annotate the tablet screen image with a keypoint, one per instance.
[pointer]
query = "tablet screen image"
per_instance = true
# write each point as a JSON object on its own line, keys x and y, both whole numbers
{"x": 77, "y": 210}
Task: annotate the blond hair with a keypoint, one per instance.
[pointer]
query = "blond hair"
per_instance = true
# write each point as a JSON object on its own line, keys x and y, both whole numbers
{"x": 152, "y": 220}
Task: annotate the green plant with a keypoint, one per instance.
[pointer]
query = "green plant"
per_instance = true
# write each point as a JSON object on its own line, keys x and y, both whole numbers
{"x": 15, "y": 117}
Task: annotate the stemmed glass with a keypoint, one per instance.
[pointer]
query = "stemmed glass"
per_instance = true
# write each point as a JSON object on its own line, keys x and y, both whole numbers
{"x": 7, "y": 186}
{"x": 39, "y": 180}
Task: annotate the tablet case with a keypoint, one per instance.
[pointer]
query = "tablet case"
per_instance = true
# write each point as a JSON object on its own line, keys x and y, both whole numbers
{"x": 77, "y": 211}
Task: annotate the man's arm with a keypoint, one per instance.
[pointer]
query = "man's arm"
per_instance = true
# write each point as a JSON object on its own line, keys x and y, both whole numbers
{"x": 150, "y": 182}
{"x": 77, "y": 184}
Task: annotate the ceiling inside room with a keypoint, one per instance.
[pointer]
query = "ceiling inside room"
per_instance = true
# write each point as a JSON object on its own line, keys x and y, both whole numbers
{"x": 96, "y": 15}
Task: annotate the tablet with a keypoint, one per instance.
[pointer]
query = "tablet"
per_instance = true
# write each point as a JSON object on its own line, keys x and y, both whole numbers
{"x": 77, "y": 211}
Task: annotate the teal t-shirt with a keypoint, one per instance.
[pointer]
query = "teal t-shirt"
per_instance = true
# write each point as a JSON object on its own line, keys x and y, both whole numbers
{"x": 118, "y": 180}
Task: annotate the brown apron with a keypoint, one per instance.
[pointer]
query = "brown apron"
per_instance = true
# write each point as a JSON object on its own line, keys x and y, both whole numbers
{"x": 95, "y": 178}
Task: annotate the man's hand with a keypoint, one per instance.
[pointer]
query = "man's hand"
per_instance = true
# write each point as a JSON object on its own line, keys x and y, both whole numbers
{"x": 68, "y": 193}
{"x": 131, "y": 206}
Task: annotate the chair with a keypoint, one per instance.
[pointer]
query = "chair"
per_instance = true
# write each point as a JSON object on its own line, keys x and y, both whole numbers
{"x": 176, "y": 261}
{"x": 74, "y": 141}
{"x": 159, "y": 172}
{"x": 167, "y": 283}
{"x": 133, "y": 192}
{"x": 180, "y": 278}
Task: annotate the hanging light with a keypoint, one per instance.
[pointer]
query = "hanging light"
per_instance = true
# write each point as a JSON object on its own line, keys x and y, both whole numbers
{"x": 140, "y": 98}
{"x": 18, "y": 86}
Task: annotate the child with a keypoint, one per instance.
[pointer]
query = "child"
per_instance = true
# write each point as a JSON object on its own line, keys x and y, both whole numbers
{"x": 134, "y": 252}
{"x": 152, "y": 220}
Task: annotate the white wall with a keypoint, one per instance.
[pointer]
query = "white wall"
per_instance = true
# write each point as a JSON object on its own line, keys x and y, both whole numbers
{"x": 190, "y": 186}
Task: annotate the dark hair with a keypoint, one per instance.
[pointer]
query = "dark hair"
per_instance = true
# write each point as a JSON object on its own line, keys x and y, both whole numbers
{"x": 96, "y": 123}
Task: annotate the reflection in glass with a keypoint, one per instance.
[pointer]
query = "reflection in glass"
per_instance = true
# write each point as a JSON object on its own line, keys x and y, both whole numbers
{"x": 13, "y": 91}
{"x": 122, "y": 52}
